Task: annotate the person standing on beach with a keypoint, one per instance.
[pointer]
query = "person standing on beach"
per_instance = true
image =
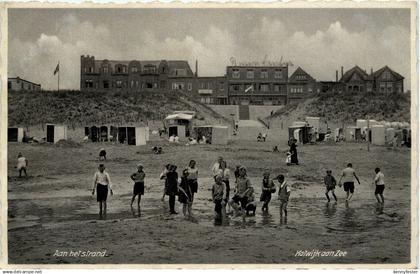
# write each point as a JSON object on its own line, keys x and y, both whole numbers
{"x": 22, "y": 164}
{"x": 225, "y": 174}
{"x": 192, "y": 177}
{"x": 162, "y": 177}
{"x": 293, "y": 152}
{"x": 101, "y": 182}
{"x": 284, "y": 194}
{"x": 216, "y": 166}
{"x": 380, "y": 185}
{"x": 171, "y": 188}
{"x": 268, "y": 187}
{"x": 138, "y": 189}
{"x": 185, "y": 194}
{"x": 218, "y": 193}
{"x": 330, "y": 183}
{"x": 347, "y": 177}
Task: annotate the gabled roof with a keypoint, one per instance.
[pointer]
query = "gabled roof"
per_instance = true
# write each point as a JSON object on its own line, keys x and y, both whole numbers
{"x": 349, "y": 74}
{"x": 300, "y": 71}
{"x": 379, "y": 72}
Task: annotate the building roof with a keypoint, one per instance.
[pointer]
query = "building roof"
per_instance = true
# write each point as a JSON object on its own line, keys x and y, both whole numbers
{"x": 379, "y": 72}
{"x": 300, "y": 71}
{"x": 15, "y": 78}
{"x": 355, "y": 70}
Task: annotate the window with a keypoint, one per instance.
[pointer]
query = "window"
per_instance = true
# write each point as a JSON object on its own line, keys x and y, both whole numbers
{"x": 399, "y": 88}
{"x": 369, "y": 88}
{"x": 278, "y": 74}
{"x": 264, "y": 87}
{"x": 134, "y": 69}
{"x": 89, "y": 83}
{"x": 149, "y": 69}
{"x": 178, "y": 86}
{"x": 118, "y": 83}
{"x": 162, "y": 84}
{"x": 264, "y": 74}
{"x": 105, "y": 70}
{"x": 250, "y": 74}
{"x": 9, "y": 84}
{"x": 235, "y": 87}
{"x": 203, "y": 85}
{"x": 222, "y": 85}
{"x": 132, "y": 83}
{"x": 301, "y": 77}
{"x": 277, "y": 88}
{"x": 189, "y": 86}
{"x": 382, "y": 87}
{"x": 386, "y": 75}
{"x": 236, "y": 74}
{"x": 389, "y": 87}
{"x": 106, "y": 84}
{"x": 180, "y": 72}
{"x": 85, "y": 69}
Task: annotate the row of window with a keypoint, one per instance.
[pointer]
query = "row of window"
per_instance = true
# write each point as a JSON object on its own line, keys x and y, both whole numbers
{"x": 147, "y": 69}
{"x": 250, "y": 74}
{"x": 23, "y": 85}
{"x": 211, "y": 85}
{"x": 296, "y": 90}
{"x": 136, "y": 84}
{"x": 251, "y": 87}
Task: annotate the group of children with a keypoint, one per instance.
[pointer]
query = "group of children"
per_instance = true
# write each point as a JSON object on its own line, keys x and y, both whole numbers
{"x": 243, "y": 200}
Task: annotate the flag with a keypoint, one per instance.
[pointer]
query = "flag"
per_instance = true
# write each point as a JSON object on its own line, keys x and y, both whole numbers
{"x": 57, "y": 69}
{"x": 250, "y": 88}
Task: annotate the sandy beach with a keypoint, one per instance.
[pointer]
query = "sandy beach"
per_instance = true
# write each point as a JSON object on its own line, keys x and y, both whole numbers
{"x": 54, "y": 219}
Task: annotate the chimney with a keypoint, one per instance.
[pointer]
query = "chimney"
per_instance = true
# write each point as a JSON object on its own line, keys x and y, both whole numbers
{"x": 336, "y": 75}
{"x": 196, "y": 68}
{"x": 371, "y": 70}
{"x": 342, "y": 71}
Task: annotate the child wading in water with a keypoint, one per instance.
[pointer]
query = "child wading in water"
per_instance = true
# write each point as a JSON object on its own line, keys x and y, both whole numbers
{"x": 284, "y": 194}
{"x": 380, "y": 185}
{"x": 101, "y": 182}
{"x": 330, "y": 183}
{"x": 218, "y": 193}
{"x": 185, "y": 195}
{"x": 268, "y": 187}
{"x": 138, "y": 189}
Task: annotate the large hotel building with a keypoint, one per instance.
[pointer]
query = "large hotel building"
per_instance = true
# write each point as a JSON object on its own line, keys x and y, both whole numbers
{"x": 241, "y": 85}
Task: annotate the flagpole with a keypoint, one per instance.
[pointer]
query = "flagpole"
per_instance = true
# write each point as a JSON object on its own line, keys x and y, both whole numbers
{"x": 58, "y": 82}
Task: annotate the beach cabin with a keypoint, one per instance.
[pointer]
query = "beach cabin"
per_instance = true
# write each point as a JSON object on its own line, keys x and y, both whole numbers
{"x": 389, "y": 135}
{"x": 132, "y": 135}
{"x": 300, "y": 133}
{"x": 216, "y": 135}
{"x": 353, "y": 134}
{"x": 15, "y": 134}
{"x": 378, "y": 135}
{"x": 318, "y": 124}
{"x": 181, "y": 122}
{"x": 178, "y": 130}
{"x": 56, "y": 133}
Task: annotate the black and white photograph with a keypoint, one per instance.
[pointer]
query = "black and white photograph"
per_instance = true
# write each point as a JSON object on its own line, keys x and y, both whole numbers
{"x": 211, "y": 135}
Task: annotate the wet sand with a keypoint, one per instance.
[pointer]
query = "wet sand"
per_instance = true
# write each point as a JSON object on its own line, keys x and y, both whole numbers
{"x": 52, "y": 211}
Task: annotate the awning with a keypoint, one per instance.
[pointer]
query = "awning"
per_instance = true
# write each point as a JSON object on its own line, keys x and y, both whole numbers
{"x": 179, "y": 116}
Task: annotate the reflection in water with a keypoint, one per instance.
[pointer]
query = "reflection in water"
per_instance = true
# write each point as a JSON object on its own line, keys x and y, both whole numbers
{"x": 267, "y": 219}
{"x": 330, "y": 210}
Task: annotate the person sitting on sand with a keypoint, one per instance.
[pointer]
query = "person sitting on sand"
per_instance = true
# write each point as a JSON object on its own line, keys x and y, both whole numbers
{"x": 275, "y": 149}
{"x": 240, "y": 198}
{"x": 330, "y": 182}
{"x": 380, "y": 185}
{"x": 171, "y": 187}
{"x": 101, "y": 182}
{"x": 102, "y": 154}
{"x": 268, "y": 187}
{"x": 22, "y": 164}
{"x": 138, "y": 189}
{"x": 251, "y": 205}
{"x": 347, "y": 177}
{"x": 185, "y": 196}
{"x": 284, "y": 194}
{"x": 218, "y": 194}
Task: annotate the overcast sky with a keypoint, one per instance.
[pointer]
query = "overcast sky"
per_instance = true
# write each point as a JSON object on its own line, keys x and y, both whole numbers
{"x": 318, "y": 40}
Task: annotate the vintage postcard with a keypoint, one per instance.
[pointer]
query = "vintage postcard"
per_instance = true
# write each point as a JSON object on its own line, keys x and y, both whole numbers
{"x": 206, "y": 135}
